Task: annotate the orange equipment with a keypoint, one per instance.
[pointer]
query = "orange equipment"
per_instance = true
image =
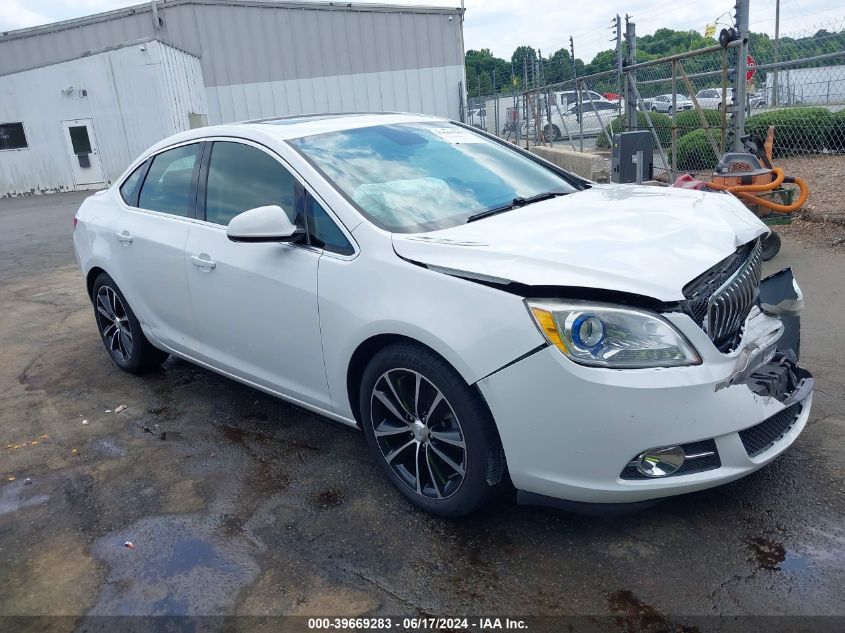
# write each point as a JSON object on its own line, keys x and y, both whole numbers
{"x": 751, "y": 177}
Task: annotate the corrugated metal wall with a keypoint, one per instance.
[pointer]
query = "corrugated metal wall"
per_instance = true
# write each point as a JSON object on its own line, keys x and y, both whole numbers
{"x": 264, "y": 58}
{"x": 134, "y": 98}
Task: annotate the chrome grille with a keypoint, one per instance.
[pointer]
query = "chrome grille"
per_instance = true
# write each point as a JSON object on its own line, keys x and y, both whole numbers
{"x": 718, "y": 300}
{"x": 729, "y": 305}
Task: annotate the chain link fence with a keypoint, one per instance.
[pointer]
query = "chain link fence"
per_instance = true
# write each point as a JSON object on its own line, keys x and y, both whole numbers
{"x": 687, "y": 102}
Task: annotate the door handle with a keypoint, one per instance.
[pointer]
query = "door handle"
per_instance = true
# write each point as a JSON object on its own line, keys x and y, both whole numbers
{"x": 124, "y": 236}
{"x": 202, "y": 262}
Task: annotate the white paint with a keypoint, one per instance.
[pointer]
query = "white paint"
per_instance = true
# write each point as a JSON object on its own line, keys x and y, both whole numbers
{"x": 415, "y": 90}
{"x": 647, "y": 240}
{"x": 134, "y": 96}
{"x": 567, "y": 430}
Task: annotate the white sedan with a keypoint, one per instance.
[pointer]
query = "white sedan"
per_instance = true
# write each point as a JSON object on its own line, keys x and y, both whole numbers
{"x": 663, "y": 103}
{"x": 481, "y": 315}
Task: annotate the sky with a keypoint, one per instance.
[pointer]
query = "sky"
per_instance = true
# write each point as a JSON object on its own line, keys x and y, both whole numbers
{"x": 502, "y": 25}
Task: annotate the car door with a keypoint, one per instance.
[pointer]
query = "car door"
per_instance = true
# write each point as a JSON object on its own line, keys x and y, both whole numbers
{"x": 150, "y": 237}
{"x": 255, "y": 303}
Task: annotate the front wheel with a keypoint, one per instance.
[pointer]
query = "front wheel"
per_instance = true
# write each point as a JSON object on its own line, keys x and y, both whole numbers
{"x": 430, "y": 432}
{"x": 120, "y": 330}
{"x": 771, "y": 246}
{"x": 551, "y": 132}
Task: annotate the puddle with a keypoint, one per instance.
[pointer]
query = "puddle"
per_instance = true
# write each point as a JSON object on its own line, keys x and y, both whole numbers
{"x": 108, "y": 447}
{"x": 233, "y": 433}
{"x": 178, "y": 566}
{"x": 164, "y": 436}
{"x": 12, "y": 497}
{"x": 775, "y": 557}
{"x": 329, "y": 498}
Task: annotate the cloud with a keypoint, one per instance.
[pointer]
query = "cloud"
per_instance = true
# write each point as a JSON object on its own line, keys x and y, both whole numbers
{"x": 13, "y": 15}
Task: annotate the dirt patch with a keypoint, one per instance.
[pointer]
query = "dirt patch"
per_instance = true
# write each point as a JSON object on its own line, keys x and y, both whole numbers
{"x": 824, "y": 175}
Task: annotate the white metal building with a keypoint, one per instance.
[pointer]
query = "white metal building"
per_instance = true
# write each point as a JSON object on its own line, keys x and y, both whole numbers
{"x": 80, "y": 98}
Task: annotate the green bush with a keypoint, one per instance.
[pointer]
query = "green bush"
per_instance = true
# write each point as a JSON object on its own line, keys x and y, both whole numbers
{"x": 662, "y": 125}
{"x": 689, "y": 121}
{"x": 836, "y": 132}
{"x": 801, "y": 130}
{"x": 694, "y": 152}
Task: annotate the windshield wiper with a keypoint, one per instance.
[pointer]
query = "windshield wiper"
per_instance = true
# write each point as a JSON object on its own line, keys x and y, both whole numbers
{"x": 515, "y": 204}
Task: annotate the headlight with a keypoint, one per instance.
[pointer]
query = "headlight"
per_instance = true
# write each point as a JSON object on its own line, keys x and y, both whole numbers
{"x": 611, "y": 336}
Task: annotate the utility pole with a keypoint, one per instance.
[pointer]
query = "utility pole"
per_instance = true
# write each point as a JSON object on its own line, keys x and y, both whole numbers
{"x": 739, "y": 100}
{"x": 578, "y": 99}
{"x": 630, "y": 76}
{"x": 775, "y": 56}
{"x": 617, "y": 37}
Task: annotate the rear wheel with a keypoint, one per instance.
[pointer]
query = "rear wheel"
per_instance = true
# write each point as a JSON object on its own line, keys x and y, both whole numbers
{"x": 120, "y": 330}
{"x": 429, "y": 431}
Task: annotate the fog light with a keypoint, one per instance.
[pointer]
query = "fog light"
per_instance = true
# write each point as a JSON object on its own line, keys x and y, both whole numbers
{"x": 660, "y": 462}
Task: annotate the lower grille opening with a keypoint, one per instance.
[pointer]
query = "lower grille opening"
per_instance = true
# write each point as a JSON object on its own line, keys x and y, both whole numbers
{"x": 699, "y": 457}
{"x": 761, "y": 437}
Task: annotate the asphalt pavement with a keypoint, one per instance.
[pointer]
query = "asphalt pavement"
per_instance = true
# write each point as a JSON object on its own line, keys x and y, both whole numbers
{"x": 206, "y": 497}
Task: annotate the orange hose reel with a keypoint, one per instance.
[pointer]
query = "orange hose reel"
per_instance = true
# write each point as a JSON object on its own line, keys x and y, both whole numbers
{"x": 746, "y": 192}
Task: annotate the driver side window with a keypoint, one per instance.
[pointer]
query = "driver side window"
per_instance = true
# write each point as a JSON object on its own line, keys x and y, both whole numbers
{"x": 242, "y": 177}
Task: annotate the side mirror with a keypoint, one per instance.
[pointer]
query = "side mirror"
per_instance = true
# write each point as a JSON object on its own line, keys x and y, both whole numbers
{"x": 263, "y": 224}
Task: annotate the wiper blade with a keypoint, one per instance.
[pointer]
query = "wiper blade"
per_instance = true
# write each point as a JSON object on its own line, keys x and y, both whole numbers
{"x": 515, "y": 204}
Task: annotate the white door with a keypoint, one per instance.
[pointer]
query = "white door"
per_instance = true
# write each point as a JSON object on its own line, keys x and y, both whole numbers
{"x": 84, "y": 156}
{"x": 149, "y": 249}
{"x": 255, "y": 303}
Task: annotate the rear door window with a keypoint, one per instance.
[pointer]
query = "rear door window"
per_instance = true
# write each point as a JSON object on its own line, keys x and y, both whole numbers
{"x": 129, "y": 188}
{"x": 168, "y": 187}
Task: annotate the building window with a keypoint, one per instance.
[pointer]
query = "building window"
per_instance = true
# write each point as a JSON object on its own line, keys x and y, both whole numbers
{"x": 12, "y": 136}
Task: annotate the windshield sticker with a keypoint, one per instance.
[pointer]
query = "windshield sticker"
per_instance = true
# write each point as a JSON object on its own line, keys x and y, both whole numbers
{"x": 456, "y": 135}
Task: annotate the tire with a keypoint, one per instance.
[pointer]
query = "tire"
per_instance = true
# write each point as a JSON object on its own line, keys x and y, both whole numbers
{"x": 452, "y": 462}
{"x": 654, "y": 108}
{"x": 120, "y": 330}
{"x": 552, "y": 132}
{"x": 771, "y": 246}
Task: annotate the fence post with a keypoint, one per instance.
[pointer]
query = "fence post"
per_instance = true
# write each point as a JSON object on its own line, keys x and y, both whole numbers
{"x": 674, "y": 158}
{"x": 739, "y": 100}
{"x": 630, "y": 76}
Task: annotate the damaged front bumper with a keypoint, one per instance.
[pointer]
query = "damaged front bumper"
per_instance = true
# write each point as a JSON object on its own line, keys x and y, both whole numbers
{"x": 575, "y": 432}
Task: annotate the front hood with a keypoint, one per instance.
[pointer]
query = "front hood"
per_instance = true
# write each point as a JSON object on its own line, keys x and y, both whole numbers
{"x": 643, "y": 240}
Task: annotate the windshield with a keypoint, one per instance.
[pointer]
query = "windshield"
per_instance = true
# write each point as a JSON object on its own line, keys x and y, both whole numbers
{"x": 415, "y": 177}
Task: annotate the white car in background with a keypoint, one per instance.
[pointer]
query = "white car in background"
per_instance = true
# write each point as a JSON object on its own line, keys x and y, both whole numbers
{"x": 663, "y": 103}
{"x": 711, "y": 98}
{"x": 483, "y": 316}
{"x": 570, "y": 122}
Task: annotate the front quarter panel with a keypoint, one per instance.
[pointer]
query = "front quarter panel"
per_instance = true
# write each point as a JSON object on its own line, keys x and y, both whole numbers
{"x": 477, "y": 329}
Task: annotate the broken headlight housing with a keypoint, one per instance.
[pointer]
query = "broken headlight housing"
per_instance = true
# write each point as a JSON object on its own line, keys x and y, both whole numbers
{"x": 612, "y": 336}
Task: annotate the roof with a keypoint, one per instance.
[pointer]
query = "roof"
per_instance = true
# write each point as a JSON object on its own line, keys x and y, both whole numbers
{"x": 164, "y": 4}
{"x": 296, "y": 126}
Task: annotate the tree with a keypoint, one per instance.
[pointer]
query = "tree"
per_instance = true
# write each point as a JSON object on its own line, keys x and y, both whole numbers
{"x": 523, "y": 53}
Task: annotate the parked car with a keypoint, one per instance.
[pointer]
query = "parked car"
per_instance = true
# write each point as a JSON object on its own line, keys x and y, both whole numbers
{"x": 483, "y": 316}
{"x": 711, "y": 98}
{"x": 663, "y": 103}
{"x": 596, "y": 116}
{"x": 567, "y": 98}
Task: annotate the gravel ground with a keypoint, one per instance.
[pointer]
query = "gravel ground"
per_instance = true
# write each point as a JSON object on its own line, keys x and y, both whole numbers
{"x": 824, "y": 175}
{"x": 821, "y": 221}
